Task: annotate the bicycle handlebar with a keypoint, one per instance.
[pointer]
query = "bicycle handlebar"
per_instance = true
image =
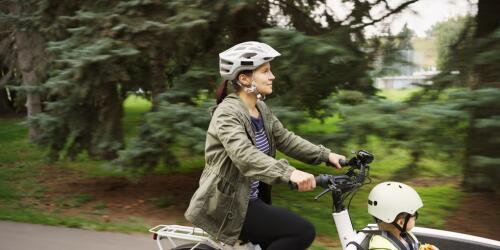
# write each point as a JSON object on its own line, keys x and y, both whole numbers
{"x": 342, "y": 163}
{"x": 345, "y": 182}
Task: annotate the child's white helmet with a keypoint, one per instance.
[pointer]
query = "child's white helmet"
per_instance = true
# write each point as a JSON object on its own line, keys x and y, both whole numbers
{"x": 244, "y": 56}
{"x": 388, "y": 199}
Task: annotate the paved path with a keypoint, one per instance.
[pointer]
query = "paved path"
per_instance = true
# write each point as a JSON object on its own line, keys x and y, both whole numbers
{"x": 22, "y": 236}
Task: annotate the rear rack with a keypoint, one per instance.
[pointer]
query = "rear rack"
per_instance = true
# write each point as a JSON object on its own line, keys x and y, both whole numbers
{"x": 176, "y": 232}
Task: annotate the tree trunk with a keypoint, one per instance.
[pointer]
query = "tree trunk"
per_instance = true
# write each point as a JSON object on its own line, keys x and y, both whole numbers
{"x": 31, "y": 61}
{"x": 108, "y": 137}
{"x": 482, "y": 145}
{"x": 416, "y": 155}
{"x": 5, "y": 103}
{"x": 158, "y": 80}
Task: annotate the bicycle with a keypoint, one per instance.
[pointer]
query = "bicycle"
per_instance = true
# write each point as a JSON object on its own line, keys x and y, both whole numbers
{"x": 341, "y": 187}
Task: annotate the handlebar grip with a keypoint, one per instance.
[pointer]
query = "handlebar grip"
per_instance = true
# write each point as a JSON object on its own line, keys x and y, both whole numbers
{"x": 322, "y": 180}
{"x": 342, "y": 163}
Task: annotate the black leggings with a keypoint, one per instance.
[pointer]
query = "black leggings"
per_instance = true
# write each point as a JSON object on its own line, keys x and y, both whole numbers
{"x": 276, "y": 228}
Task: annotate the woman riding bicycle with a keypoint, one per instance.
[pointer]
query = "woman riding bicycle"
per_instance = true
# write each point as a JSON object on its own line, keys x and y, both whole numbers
{"x": 233, "y": 200}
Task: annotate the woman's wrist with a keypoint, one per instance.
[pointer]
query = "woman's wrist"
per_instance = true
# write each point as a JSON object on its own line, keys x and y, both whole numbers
{"x": 324, "y": 154}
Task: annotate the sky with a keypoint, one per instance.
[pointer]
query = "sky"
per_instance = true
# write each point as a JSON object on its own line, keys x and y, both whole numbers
{"x": 428, "y": 13}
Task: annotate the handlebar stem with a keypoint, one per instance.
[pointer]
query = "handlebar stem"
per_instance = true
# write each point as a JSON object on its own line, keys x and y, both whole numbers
{"x": 338, "y": 205}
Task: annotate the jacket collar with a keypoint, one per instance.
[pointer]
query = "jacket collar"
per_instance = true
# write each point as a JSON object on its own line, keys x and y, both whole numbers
{"x": 233, "y": 97}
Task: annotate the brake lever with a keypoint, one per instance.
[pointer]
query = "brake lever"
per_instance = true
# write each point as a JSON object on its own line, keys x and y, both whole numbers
{"x": 329, "y": 189}
{"x": 322, "y": 193}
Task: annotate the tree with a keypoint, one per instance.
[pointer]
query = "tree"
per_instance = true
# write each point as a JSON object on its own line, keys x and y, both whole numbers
{"x": 320, "y": 59}
{"x": 448, "y": 34}
{"x": 424, "y": 129}
{"x": 106, "y": 51}
{"x": 25, "y": 55}
{"x": 393, "y": 53}
{"x": 471, "y": 62}
{"x": 482, "y": 167}
{"x": 102, "y": 51}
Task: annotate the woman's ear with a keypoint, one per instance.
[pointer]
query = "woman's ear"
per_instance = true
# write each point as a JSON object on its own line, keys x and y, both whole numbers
{"x": 244, "y": 79}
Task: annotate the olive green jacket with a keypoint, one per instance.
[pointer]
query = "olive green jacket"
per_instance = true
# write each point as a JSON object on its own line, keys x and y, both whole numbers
{"x": 232, "y": 162}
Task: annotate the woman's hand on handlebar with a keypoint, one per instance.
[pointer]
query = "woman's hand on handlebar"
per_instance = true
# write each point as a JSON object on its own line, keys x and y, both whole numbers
{"x": 304, "y": 181}
{"x": 334, "y": 160}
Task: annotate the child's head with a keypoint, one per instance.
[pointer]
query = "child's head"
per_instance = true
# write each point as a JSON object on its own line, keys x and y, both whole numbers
{"x": 394, "y": 205}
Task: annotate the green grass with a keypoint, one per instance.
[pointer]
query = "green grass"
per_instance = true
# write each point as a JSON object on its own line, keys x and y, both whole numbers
{"x": 19, "y": 164}
{"x": 318, "y": 126}
{"x": 74, "y": 201}
{"x": 398, "y": 94}
{"x": 135, "y": 107}
{"x": 163, "y": 202}
{"x": 30, "y": 215}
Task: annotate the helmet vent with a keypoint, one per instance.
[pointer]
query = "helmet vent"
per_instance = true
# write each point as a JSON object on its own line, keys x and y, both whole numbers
{"x": 400, "y": 186}
{"x": 388, "y": 184}
{"x": 226, "y": 62}
{"x": 249, "y": 55}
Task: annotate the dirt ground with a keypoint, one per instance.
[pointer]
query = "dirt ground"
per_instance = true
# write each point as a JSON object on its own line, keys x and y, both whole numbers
{"x": 162, "y": 199}
{"x": 479, "y": 214}
{"x": 159, "y": 199}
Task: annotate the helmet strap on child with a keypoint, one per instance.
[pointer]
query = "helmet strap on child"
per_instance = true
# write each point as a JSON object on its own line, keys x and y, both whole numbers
{"x": 402, "y": 229}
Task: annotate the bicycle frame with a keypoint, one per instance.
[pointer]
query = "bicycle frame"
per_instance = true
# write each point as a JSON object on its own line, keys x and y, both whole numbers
{"x": 345, "y": 230}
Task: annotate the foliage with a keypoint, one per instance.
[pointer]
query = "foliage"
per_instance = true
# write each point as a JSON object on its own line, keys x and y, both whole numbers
{"x": 338, "y": 64}
{"x": 424, "y": 129}
{"x": 473, "y": 62}
{"x": 108, "y": 51}
{"x": 481, "y": 168}
{"x": 102, "y": 51}
{"x": 171, "y": 124}
{"x": 449, "y": 35}
{"x": 392, "y": 53}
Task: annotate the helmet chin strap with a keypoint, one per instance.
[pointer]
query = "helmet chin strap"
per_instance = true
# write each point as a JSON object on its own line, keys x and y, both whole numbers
{"x": 402, "y": 229}
{"x": 253, "y": 89}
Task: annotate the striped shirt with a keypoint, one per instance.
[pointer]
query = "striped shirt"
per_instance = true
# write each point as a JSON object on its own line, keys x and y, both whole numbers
{"x": 262, "y": 144}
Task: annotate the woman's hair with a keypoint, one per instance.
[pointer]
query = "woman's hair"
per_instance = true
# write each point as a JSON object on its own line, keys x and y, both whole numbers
{"x": 221, "y": 91}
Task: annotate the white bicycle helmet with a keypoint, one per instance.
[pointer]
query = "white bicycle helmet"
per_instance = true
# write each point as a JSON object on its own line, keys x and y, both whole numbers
{"x": 244, "y": 56}
{"x": 388, "y": 199}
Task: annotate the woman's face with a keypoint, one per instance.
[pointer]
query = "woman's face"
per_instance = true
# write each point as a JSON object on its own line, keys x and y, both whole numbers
{"x": 263, "y": 78}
